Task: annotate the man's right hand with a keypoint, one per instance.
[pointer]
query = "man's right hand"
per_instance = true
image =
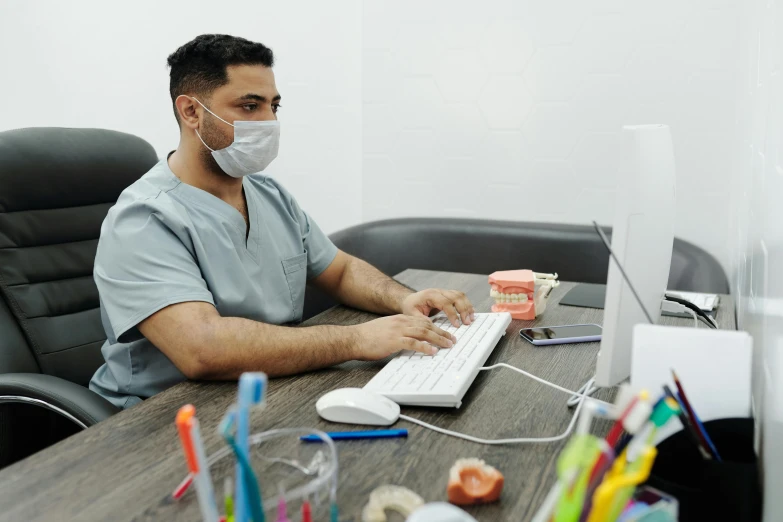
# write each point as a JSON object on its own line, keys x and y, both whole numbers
{"x": 382, "y": 337}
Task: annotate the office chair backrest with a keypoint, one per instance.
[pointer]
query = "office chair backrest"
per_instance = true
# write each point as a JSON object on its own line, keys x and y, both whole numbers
{"x": 56, "y": 186}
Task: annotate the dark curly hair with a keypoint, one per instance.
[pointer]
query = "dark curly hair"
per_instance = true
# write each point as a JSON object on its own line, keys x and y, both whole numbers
{"x": 199, "y": 66}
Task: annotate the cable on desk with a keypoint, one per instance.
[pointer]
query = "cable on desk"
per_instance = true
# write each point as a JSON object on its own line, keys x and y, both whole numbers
{"x": 591, "y": 389}
{"x": 566, "y": 433}
{"x": 709, "y": 320}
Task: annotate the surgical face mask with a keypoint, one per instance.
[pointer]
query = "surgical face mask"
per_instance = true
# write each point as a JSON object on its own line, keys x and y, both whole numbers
{"x": 255, "y": 146}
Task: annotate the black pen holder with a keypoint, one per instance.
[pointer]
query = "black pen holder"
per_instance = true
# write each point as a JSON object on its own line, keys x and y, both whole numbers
{"x": 709, "y": 490}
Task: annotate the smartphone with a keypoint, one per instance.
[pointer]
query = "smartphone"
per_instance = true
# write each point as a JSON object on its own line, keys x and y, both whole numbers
{"x": 571, "y": 333}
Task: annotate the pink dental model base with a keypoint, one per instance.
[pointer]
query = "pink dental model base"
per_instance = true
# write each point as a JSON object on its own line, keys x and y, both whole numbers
{"x": 522, "y": 293}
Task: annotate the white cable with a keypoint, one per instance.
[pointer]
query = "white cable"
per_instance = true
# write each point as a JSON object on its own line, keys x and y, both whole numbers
{"x": 713, "y": 321}
{"x": 526, "y": 374}
{"x": 470, "y": 438}
{"x": 693, "y": 314}
{"x": 575, "y": 396}
{"x": 574, "y": 399}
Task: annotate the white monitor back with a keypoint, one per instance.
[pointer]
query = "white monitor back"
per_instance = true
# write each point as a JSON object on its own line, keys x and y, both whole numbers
{"x": 642, "y": 238}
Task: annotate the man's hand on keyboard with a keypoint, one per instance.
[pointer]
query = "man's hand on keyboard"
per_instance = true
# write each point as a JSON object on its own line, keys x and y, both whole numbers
{"x": 455, "y": 305}
{"x": 382, "y": 337}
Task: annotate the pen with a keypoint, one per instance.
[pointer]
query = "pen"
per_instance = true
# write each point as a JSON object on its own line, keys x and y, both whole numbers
{"x": 694, "y": 418}
{"x": 183, "y": 487}
{"x": 687, "y": 425}
{"x": 189, "y": 434}
{"x": 351, "y": 435}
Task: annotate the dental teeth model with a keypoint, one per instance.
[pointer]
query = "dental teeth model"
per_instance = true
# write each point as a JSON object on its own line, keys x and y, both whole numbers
{"x": 472, "y": 481}
{"x": 392, "y": 498}
{"x": 523, "y": 293}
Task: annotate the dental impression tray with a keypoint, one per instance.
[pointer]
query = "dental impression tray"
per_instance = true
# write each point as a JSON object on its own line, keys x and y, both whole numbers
{"x": 523, "y": 293}
{"x": 472, "y": 481}
{"x": 392, "y": 498}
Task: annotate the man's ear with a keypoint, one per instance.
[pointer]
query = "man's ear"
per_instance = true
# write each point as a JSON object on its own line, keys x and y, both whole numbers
{"x": 187, "y": 109}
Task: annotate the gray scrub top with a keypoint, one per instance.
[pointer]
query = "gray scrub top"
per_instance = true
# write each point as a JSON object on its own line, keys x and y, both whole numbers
{"x": 168, "y": 242}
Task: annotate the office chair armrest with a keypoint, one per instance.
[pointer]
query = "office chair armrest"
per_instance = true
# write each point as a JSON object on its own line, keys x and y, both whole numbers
{"x": 75, "y": 402}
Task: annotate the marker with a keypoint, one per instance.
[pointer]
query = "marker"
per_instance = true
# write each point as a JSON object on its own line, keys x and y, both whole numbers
{"x": 664, "y": 411}
{"x": 228, "y": 498}
{"x": 307, "y": 515}
{"x": 349, "y": 435}
{"x": 282, "y": 509}
{"x": 189, "y": 434}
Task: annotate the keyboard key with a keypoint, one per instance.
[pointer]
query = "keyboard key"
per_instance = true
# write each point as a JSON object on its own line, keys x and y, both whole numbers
{"x": 430, "y": 382}
{"x": 395, "y": 380}
{"x": 419, "y": 380}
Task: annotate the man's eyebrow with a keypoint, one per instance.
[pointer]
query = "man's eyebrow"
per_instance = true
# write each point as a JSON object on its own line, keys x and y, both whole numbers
{"x": 256, "y": 97}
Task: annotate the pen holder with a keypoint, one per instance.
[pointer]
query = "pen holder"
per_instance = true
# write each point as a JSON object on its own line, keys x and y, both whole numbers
{"x": 708, "y": 489}
{"x": 304, "y": 471}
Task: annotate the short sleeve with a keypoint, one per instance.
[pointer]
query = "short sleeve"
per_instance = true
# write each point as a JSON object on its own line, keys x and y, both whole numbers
{"x": 142, "y": 266}
{"x": 320, "y": 249}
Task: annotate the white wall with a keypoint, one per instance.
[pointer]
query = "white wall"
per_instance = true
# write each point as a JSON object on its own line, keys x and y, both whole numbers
{"x": 756, "y": 236}
{"x": 510, "y": 109}
{"x": 507, "y": 109}
{"x": 103, "y": 64}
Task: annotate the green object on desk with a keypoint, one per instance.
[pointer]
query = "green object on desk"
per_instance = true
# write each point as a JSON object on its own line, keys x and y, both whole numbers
{"x": 229, "y": 509}
{"x": 573, "y": 469}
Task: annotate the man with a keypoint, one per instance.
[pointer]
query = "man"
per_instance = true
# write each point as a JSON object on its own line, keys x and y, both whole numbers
{"x": 203, "y": 259}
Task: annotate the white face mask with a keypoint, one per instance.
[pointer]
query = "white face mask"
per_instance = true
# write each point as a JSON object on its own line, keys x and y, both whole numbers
{"x": 255, "y": 146}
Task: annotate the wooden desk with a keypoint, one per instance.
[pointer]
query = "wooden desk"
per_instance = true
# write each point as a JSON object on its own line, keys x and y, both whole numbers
{"x": 126, "y": 467}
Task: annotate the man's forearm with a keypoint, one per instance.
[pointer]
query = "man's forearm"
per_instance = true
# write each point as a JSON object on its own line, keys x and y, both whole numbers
{"x": 233, "y": 345}
{"x": 365, "y": 287}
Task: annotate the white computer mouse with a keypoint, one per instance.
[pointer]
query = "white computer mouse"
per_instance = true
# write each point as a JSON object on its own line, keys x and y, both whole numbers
{"x": 357, "y": 406}
{"x": 439, "y": 512}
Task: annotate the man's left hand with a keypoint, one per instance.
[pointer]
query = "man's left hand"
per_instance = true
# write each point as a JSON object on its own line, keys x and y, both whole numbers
{"x": 454, "y": 304}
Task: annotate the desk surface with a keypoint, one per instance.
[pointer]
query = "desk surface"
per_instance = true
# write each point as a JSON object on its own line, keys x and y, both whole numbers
{"x": 126, "y": 467}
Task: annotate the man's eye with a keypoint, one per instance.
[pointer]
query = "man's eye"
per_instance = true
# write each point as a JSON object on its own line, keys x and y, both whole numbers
{"x": 250, "y": 107}
{"x": 276, "y": 107}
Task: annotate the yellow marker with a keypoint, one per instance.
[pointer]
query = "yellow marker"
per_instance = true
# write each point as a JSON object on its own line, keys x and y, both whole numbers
{"x": 613, "y": 494}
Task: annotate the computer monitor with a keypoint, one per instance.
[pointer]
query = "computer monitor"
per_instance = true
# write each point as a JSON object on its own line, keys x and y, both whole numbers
{"x": 642, "y": 238}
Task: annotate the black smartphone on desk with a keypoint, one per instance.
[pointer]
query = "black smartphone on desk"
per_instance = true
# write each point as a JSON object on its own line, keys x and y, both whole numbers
{"x": 570, "y": 333}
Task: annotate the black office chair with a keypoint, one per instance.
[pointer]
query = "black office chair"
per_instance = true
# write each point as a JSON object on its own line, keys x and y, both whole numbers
{"x": 479, "y": 246}
{"x": 56, "y": 186}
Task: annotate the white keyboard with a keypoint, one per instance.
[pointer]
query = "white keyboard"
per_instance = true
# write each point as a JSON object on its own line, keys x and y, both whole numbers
{"x": 441, "y": 379}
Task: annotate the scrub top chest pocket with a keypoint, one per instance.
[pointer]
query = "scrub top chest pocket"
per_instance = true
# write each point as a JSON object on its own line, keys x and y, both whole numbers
{"x": 295, "y": 269}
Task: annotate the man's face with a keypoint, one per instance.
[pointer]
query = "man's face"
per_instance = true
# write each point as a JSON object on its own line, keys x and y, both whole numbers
{"x": 250, "y": 94}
